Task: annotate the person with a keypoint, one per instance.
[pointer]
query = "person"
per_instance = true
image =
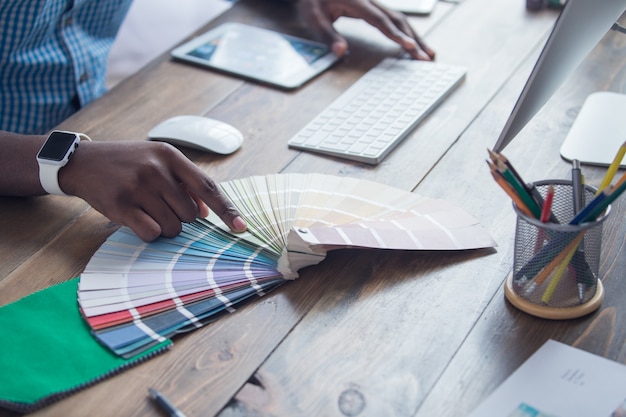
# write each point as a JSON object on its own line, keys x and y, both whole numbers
{"x": 53, "y": 57}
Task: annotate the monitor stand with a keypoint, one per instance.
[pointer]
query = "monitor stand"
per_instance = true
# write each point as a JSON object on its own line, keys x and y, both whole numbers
{"x": 598, "y": 131}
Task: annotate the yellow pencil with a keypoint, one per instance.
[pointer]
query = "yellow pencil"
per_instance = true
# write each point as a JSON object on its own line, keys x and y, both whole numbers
{"x": 610, "y": 173}
{"x": 547, "y": 294}
{"x": 619, "y": 182}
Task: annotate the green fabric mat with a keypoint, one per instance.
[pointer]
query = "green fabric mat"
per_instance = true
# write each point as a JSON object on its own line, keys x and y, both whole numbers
{"x": 47, "y": 350}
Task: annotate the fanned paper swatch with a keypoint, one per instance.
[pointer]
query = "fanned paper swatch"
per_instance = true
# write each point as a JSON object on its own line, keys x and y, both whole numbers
{"x": 135, "y": 294}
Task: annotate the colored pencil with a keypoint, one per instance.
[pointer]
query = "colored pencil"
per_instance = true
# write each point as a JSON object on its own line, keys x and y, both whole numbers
{"x": 506, "y": 186}
{"x": 610, "y": 173}
{"x": 545, "y": 272}
{"x": 520, "y": 189}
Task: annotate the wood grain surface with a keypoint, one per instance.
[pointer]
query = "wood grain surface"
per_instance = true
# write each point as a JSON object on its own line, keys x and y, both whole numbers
{"x": 364, "y": 333}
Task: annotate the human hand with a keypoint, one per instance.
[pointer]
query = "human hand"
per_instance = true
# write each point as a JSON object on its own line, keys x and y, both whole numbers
{"x": 320, "y": 15}
{"x": 150, "y": 187}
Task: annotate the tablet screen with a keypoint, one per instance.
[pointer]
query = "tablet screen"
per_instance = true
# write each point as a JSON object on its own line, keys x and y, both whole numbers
{"x": 259, "y": 54}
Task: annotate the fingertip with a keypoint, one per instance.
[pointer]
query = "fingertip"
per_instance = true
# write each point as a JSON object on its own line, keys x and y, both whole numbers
{"x": 431, "y": 54}
{"x": 339, "y": 47}
{"x": 417, "y": 49}
{"x": 421, "y": 55}
{"x": 413, "y": 49}
{"x": 239, "y": 224}
{"x": 425, "y": 56}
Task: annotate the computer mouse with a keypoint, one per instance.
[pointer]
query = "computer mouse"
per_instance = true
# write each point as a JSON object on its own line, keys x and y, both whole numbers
{"x": 198, "y": 132}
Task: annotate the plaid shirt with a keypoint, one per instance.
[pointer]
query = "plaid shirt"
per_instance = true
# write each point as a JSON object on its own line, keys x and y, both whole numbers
{"x": 53, "y": 58}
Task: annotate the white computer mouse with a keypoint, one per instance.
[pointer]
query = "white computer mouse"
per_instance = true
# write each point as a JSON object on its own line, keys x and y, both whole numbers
{"x": 198, "y": 132}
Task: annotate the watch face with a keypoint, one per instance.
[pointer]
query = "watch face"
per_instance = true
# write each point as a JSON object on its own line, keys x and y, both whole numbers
{"x": 57, "y": 146}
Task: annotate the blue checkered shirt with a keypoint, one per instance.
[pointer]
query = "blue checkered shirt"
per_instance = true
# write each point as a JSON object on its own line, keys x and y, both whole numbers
{"x": 53, "y": 58}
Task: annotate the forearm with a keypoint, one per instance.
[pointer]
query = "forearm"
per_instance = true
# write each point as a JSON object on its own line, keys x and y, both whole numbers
{"x": 19, "y": 171}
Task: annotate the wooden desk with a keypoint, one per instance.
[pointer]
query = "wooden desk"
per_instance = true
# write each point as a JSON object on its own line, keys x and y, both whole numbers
{"x": 365, "y": 333}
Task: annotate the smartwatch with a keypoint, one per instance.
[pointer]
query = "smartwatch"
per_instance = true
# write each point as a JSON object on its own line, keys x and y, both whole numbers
{"x": 54, "y": 155}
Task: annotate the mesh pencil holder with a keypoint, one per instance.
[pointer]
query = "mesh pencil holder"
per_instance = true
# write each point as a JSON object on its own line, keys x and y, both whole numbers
{"x": 555, "y": 265}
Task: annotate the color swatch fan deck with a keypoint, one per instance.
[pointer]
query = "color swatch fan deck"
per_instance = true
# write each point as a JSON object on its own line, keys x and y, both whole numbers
{"x": 135, "y": 294}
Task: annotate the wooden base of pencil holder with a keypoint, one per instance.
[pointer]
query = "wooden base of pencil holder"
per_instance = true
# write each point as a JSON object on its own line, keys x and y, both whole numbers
{"x": 553, "y": 313}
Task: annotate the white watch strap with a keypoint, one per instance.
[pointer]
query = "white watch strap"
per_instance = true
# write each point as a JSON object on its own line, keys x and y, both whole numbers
{"x": 49, "y": 174}
{"x": 49, "y": 178}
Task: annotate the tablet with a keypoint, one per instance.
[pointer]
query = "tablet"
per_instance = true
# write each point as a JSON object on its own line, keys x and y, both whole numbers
{"x": 258, "y": 54}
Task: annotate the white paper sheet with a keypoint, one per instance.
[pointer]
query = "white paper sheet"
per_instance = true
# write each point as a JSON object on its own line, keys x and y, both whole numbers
{"x": 560, "y": 381}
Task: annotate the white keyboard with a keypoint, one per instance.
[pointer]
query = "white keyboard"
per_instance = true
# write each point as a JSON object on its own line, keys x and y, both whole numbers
{"x": 372, "y": 116}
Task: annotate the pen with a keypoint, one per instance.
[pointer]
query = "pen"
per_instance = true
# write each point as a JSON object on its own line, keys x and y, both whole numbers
{"x": 577, "y": 186}
{"x": 584, "y": 276}
{"x": 589, "y": 213}
{"x": 580, "y": 264}
{"x": 165, "y": 404}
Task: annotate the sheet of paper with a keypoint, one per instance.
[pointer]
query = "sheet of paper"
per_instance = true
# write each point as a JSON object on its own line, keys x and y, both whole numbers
{"x": 560, "y": 381}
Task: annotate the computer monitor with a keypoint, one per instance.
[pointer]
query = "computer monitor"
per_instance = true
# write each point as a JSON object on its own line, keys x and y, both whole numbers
{"x": 579, "y": 27}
